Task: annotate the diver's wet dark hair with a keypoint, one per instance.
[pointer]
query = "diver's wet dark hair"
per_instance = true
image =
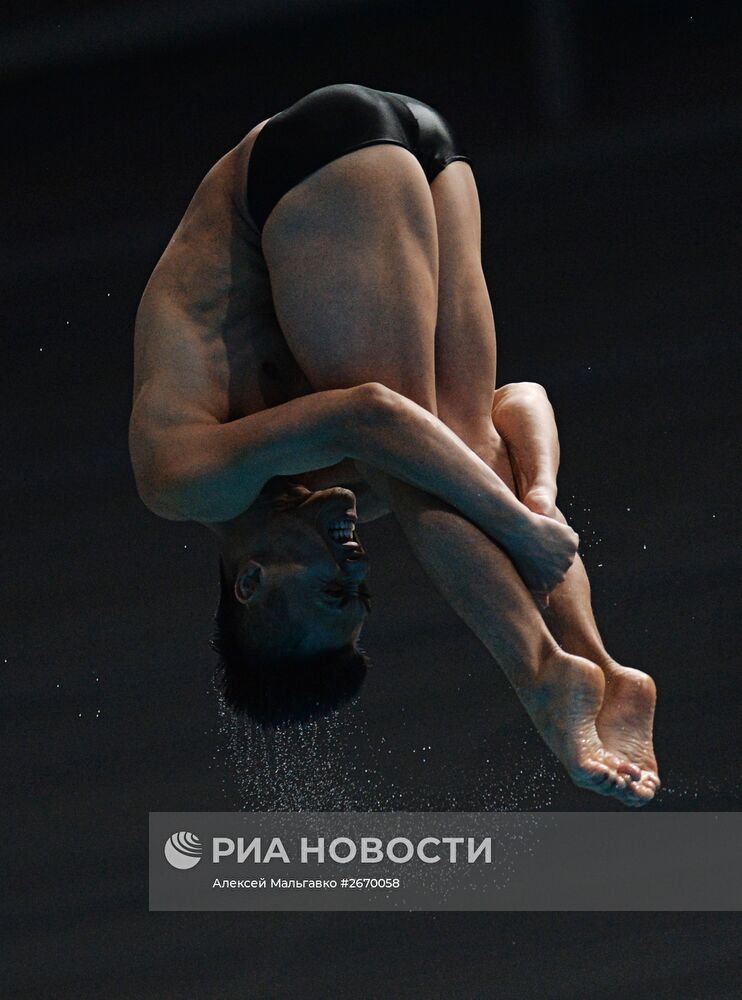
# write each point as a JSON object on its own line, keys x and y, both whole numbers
{"x": 263, "y": 676}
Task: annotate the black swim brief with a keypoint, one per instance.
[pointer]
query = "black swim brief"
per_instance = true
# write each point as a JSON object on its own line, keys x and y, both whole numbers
{"x": 333, "y": 121}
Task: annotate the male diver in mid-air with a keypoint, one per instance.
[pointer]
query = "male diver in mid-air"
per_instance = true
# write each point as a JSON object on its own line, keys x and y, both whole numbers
{"x": 316, "y": 347}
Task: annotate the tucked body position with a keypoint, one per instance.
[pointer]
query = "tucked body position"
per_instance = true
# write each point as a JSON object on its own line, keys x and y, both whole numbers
{"x": 316, "y": 348}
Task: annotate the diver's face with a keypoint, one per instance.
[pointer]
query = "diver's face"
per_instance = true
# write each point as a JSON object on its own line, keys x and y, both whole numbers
{"x": 308, "y": 547}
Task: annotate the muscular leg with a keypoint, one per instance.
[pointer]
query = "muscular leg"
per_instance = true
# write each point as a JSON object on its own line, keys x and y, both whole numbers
{"x": 353, "y": 257}
{"x": 626, "y": 717}
{"x": 341, "y": 303}
{"x": 526, "y": 456}
{"x": 525, "y": 418}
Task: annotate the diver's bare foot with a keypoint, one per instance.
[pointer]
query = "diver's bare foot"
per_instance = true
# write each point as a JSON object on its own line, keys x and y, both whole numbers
{"x": 624, "y": 725}
{"x": 564, "y": 705}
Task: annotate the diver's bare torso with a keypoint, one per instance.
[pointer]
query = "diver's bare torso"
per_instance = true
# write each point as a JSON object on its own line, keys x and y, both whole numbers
{"x": 208, "y": 346}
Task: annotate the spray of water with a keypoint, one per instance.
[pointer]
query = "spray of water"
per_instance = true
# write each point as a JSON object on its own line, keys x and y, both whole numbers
{"x": 340, "y": 763}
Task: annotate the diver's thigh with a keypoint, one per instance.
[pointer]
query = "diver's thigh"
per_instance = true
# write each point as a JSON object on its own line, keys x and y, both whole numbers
{"x": 465, "y": 331}
{"x": 353, "y": 258}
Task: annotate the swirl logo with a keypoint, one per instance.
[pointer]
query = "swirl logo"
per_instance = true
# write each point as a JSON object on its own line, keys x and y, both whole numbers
{"x": 183, "y": 850}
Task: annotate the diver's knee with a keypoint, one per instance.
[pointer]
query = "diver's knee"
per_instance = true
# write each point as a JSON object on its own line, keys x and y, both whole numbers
{"x": 519, "y": 395}
{"x": 524, "y": 390}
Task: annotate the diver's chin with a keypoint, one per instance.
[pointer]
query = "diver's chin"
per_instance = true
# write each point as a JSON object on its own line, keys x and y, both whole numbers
{"x": 339, "y": 494}
{"x": 335, "y": 506}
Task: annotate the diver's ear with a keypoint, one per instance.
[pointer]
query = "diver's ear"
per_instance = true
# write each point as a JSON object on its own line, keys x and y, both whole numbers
{"x": 248, "y": 581}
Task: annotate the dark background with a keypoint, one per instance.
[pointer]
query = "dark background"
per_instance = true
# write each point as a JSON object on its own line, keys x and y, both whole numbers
{"x": 605, "y": 138}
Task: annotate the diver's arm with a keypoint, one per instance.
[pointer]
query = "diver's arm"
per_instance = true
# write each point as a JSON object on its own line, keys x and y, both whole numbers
{"x": 203, "y": 470}
{"x": 475, "y": 576}
{"x": 207, "y": 472}
{"x": 417, "y": 451}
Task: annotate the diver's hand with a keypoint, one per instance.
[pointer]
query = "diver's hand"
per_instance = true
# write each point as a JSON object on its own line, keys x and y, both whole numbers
{"x": 543, "y": 553}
